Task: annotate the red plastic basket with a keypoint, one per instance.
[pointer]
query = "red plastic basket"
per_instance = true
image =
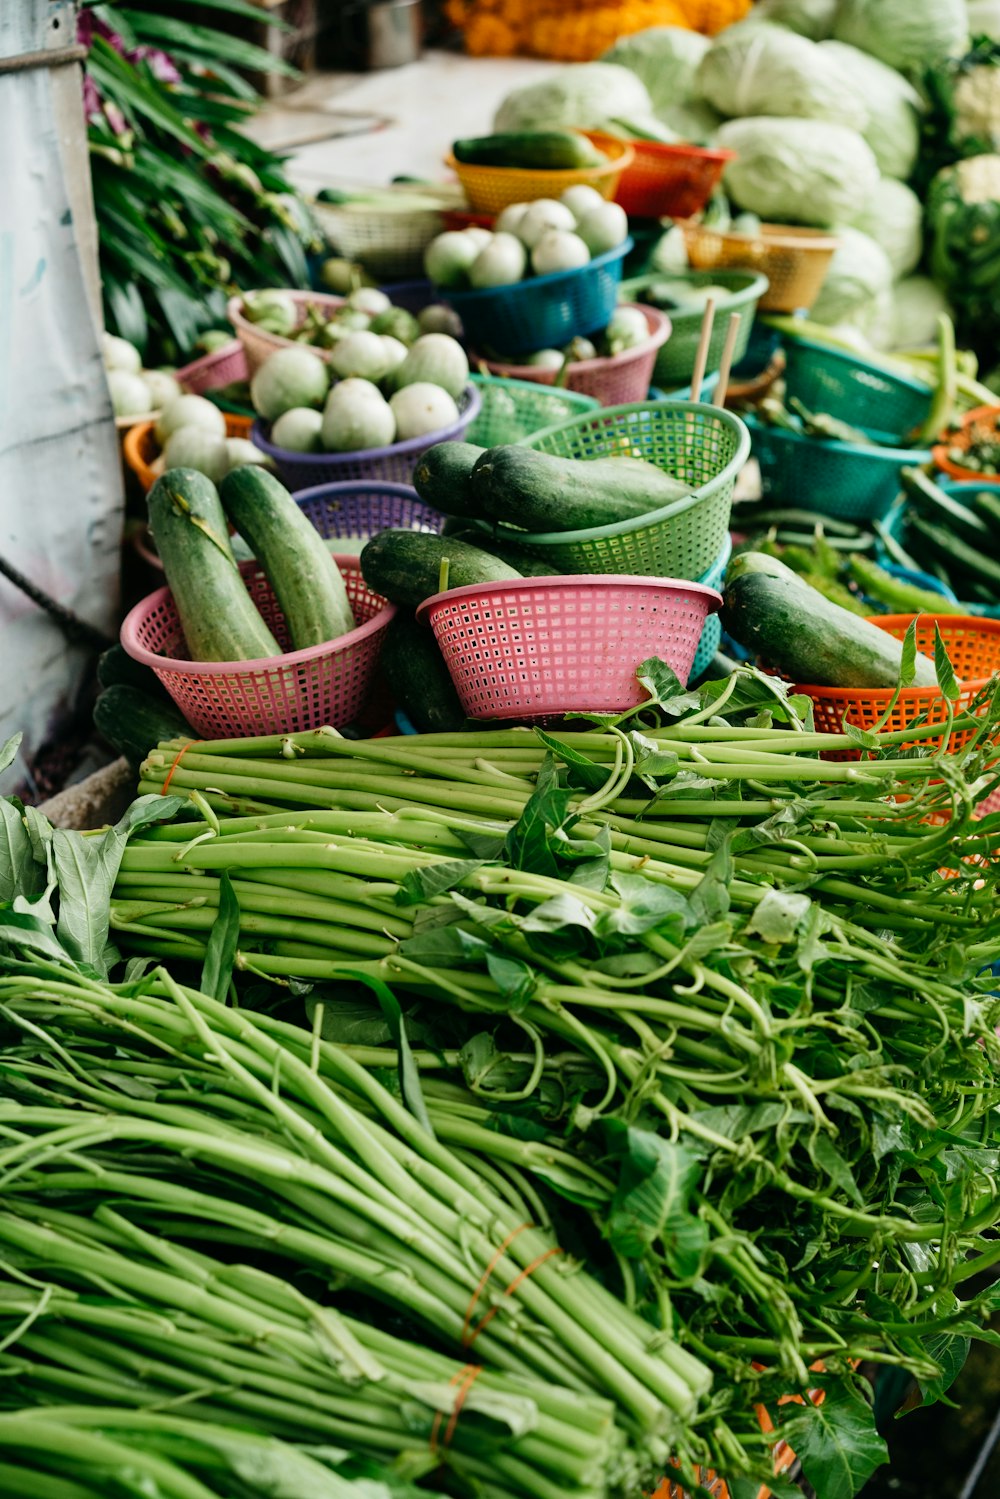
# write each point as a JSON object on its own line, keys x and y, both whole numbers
{"x": 543, "y": 647}
{"x": 973, "y": 647}
{"x": 616, "y": 380}
{"x": 667, "y": 181}
{"x": 984, "y": 422}
{"x": 307, "y": 689}
{"x": 222, "y": 367}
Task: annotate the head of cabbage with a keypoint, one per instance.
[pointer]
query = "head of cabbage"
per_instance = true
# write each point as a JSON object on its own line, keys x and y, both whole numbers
{"x": 894, "y": 219}
{"x": 582, "y": 94}
{"x": 798, "y": 171}
{"x": 892, "y": 104}
{"x": 666, "y": 59}
{"x": 857, "y": 289}
{"x": 916, "y": 304}
{"x": 754, "y": 68}
{"x": 811, "y": 18}
{"x": 907, "y": 34}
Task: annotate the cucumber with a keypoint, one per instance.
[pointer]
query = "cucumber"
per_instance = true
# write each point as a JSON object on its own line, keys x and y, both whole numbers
{"x": 299, "y": 567}
{"x": 986, "y": 504}
{"x": 525, "y": 563}
{"x": 405, "y": 566}
{"x": 218, "y": 616}
{"x": 941, "y": 509}
{"x": 532, "y": 149}
{"x": 133, "y": 721}
{"x": 418, "y": 678}
{"x": 795, "y": 629}
{"x": 954, "y": 549}
{"x": 542, "y": 492}
{"x": 115, "y": 667}
{"x": 442, "y": 477}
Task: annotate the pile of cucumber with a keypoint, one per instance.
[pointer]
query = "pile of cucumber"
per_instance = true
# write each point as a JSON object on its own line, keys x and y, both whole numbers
{"x": 955, "y": 540}
{"x": 190, "y": 520}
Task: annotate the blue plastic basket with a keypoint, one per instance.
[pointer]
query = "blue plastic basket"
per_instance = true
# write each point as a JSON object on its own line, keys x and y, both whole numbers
{"x": 842, "y": 479}
{"x": 412, "y": 296}
{"x": 362, "y": 509}
{"x": 711, "y": 635}
{"x": 895, "y": 524}
{"x": 542, "y": 312}
{"x": 854, "y": 391}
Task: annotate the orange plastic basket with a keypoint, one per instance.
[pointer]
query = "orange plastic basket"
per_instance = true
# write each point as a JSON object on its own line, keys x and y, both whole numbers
{"x": 662, "y": 180}
{"x": 983, "y": 422}
{"x": 141, "y": 451}
{"x": 491, "y": 189}
{"x": 795, "y": 261}
{"x": 973, "y": 646}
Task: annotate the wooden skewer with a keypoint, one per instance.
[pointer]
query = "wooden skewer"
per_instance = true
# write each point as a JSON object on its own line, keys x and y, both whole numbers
{"x": 719, "y": 394}
{"x": 701, "y": 357}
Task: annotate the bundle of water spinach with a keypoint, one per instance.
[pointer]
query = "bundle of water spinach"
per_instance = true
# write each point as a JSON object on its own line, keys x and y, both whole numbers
{"x": 717, "y": 1005}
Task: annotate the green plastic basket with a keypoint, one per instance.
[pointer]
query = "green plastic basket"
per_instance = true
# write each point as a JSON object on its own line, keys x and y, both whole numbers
{"x": 703, "y": 446}
{"x": 675, "y": 360}
{"x": 514, "y": 409}
{"x": 853, "y": 390}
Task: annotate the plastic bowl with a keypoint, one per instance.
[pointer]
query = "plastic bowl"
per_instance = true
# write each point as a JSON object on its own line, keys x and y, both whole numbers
{"x": 323, "y": 684}
{"x": 258, "y": 344}
{"x": 613, "y": 380}
{"x": 795, "y": 261}
{"x": 141, "y": 449}
{"x": 514, "y": 409}
{"x": 675, "y": 360}
{"x": 395, "y": 463}
{"x": 540, "y": 648}
{"x": 895, "y": 525}
{"x": 667, "y": 181}
{"x": 989, "y": 416}
{"x": 212, "y": 371}
{"x": 852, "y": 390}
{"x": 541, "y": 312}
{"x": 491, "y": 189}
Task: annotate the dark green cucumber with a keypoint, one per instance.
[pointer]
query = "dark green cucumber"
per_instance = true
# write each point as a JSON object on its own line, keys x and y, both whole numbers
{"x": 418, "y": 678}
{"x": 954, "y": 549}
{"x": 525, "y": 563}
{"x": 442, "y": 477}
{"x": 986, "y": 504}
{"x": 405, "y": 566}
{"x": 541, "y": 492}
{"x": 133, "y": 721}
{"x": 299, "y": 567}
{"x": 531, "y": 149}
{"x": 795, "y": 629}
{"x": 115, "y": 667}
{"x": 942, "y": 509}
{"x": 218, "y": 616}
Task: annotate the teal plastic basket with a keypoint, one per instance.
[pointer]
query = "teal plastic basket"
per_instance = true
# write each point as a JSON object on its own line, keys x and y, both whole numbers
{"x": 684, "y": 392}
{"x": 514, "y": 409}
{"x": 842, "y": 479}
{"x": 711, "y": 635}
{"x": 895, "y": 524}
{"x": 852, "y": 390}
{"x": 703, "y": 446}
{"x": 675, "y": 361}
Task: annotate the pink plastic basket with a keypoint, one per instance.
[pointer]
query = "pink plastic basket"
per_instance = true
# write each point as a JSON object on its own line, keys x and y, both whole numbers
{"x": 614, "y": 381}
{"x": 395, "y": 464}
{"x": 258, "y": 344}
{"x": 323, "y": 684}
{"x": 223, "y": 367}
{"x": 544, "y": 647}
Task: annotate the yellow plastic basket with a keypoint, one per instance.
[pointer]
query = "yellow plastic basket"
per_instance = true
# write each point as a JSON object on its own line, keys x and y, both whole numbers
{"x": 490, "y": 189}
{"x": 795, "y": 261}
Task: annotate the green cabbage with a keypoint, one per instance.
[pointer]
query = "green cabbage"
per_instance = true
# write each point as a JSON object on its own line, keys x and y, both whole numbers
{"x": 916, "y": 305}
{"x": 811, "y": 18}
{"x": 907, "y": 34}
{"x": 857, "y": 289}
{"x": 984, "y": 18}
{"x": 798, "y": 171}
{"x": 582, "y": 94}
{"x": 666, "y": 59}
{"x": 893, "y": 105}
{"x": 894, "y": 219}
{"x": 755, "y": 68}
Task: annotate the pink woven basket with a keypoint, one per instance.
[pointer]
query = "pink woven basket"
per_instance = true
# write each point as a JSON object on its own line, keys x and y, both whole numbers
{"x": 307, "y": 689}
{"x": 543, "y": 647}
{"x": 212, "y": 371}
{"x": 258, "y": 344}
{"x": 616, "y": 380}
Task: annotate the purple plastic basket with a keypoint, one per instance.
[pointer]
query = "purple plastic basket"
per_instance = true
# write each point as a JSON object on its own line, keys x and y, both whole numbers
{"x": 542, "y": 312}
{"x": 359, "y": 509}
{"x": 413, "y": 296}
{"x": 395, "y": 464}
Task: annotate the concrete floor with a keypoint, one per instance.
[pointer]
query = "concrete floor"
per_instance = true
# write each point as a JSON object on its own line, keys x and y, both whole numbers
{"x": 363, "y": 129}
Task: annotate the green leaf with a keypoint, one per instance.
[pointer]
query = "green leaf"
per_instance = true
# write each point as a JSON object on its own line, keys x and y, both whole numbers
{"x": 583, "y": 770}
{"x": 527, "y": 843}
{"x": 409, "y": 1073}
{"x": 666, "y": 690}
{"x": 863, "y": 738}
{"x": 421, "y": 885}
{"x": 709, "y": 901}
{"x": 515, "y": 980}
{"x": 836, "y": 1442}
{"x": 950, "y": 1353}
{"x": 8, "y": 753}
{"x": 135, "y": 91}
{"x": 651, "y": 1201}
{"x": 212, "y": 44}
{"x": 778, "y": 916}
{"x": 646, "y": 906}
{"x": 223, "y": 941}
{"x": 20, "y": 872}
{"x": 29, "y": 934}
{"x": 653, "y": 763}
{"x": 829, "y": 1160}
{"x": 943, "y": 667}
{"x": 908, "y": 662}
